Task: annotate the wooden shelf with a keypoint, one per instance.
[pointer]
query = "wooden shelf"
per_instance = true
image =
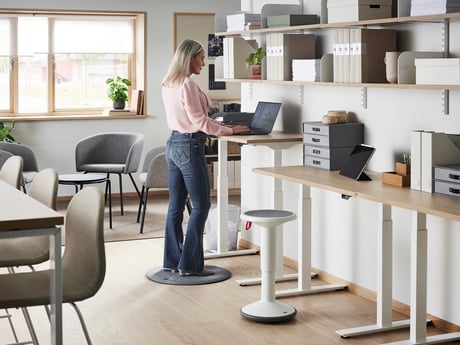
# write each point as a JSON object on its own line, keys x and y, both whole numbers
{"x": 385, "y": 21}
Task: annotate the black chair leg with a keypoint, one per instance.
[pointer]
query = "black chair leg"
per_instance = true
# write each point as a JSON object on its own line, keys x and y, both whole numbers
{"x": 141, "y": 201}
{"x": 135, "y": 185}
{"x": 110, "y": 203}
{"x": 144, "y": 208}
{"x": 121, "y": 192}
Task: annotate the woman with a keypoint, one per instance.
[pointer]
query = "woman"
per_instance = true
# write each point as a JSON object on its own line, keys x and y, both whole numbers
{"x": 186, "y": 107}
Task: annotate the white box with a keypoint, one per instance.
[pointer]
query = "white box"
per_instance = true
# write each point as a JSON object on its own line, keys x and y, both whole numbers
{"x": 444, "y": 71}
{"x": 355, "y": 10}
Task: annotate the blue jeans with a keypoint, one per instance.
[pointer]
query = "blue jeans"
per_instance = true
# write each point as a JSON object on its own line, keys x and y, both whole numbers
{"x": 188, "y": 175}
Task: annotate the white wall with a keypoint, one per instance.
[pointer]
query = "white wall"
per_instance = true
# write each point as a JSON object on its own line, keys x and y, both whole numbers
{"x": 54, "y": 141}
{"x": 344, "y": 232}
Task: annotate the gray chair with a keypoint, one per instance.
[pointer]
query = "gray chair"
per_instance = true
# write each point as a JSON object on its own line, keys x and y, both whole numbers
{"x": 82, "y": 275}
{"x": 4, "y": 155}
{"x": 30, "y": 168}
{"x": 11, "y": 171}
{"x": 111, "y": 153}
{"x": 154, "y": 175}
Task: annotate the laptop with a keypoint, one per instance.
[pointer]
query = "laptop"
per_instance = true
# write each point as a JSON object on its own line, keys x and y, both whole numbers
{"x": 263, "y": 119}
{"x": 356, "y": 162}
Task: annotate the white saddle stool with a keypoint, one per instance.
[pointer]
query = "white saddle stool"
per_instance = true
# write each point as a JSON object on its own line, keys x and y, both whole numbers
{"x": 267, "y": 309}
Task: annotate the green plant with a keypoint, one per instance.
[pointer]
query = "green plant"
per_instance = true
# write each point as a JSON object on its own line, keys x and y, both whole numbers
{"x": 5, "y": 132}
{"x": 118, "y": 88}
{"x": 255, "y": 58}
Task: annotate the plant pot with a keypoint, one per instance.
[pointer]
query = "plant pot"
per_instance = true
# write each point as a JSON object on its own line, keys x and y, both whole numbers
{"x": 256, "y": 71}
{"x": 119, "y": 104}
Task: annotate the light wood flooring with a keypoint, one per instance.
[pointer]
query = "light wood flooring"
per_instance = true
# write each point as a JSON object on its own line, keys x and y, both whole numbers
{"x": 129, "y": 309}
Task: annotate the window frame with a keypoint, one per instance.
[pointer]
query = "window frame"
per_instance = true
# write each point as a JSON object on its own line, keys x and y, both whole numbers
{"x": 136, "y": 69}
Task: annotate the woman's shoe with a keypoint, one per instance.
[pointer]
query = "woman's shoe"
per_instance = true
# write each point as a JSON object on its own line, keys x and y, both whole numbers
{"x": 172, "y": 270}
{"x": 203, "y": 273}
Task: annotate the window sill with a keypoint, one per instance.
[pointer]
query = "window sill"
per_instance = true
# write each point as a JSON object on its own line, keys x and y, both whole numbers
{"x": 70, "y": 117}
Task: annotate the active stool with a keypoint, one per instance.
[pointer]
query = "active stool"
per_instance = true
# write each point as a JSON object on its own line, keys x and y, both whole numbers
{"x": 267, "y": 309}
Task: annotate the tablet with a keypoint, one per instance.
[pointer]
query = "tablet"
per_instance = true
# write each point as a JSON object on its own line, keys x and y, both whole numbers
{"x": 356, "y": 162}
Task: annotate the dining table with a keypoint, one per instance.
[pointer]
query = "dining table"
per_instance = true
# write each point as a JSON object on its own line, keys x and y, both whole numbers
{"x": 23, "y": 216}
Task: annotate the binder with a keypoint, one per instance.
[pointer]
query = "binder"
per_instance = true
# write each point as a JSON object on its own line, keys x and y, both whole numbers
{"x": 371, "y": 47}
{"x": 437, "y": 149}
{"x": 285, "y": 48}
{"x": 416, "y": 160}
{"x": 236, "y": 49}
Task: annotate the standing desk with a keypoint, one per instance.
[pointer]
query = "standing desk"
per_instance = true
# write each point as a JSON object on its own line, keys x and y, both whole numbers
{"x": 276, "y": 141}
{"x": 22, "y": 215}
{"x": 421, "y": 203}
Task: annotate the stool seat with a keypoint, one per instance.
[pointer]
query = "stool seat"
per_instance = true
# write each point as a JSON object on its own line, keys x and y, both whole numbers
{"x": 267, "y": 309}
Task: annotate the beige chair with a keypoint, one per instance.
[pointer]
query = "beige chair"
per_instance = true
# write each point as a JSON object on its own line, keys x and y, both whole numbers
{"x": 28, "y": 251}
{"x": 82, "y": 275}
{"x": 11, "y": 171}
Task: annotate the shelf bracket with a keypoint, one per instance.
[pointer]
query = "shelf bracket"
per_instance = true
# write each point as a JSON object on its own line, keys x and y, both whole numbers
{"x": 445, "y": 101}
{"x": 300, "y": 94}
{"x": 364, "y": 97}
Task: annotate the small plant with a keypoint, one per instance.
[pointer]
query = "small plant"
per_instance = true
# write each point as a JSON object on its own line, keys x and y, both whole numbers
{"x": 118, "y": 88}
{"x": 255, "y": 58}
{"x": 5, "y": 132}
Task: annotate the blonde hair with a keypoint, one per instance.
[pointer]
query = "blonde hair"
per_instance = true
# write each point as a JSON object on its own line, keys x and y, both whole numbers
{"x": 179, "y": 69}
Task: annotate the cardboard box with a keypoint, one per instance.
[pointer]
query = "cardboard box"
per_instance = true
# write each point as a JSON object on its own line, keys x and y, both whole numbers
{"x": 356, "y": 10}
{"x": 445, "y": 71}
{"x": 394, "y": 179}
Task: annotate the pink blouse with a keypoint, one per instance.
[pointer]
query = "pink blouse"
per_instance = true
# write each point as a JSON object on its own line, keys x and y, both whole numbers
{"x": 187, "y": 110}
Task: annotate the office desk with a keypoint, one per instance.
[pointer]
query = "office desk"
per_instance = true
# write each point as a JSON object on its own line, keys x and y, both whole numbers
{"x": 21, "y": 215}
{"x": 277, "y": 141}
{"x": 421, "y": 203}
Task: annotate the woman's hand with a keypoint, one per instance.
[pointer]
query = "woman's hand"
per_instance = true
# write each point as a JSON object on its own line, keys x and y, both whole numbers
{"x": 239, "y": 128}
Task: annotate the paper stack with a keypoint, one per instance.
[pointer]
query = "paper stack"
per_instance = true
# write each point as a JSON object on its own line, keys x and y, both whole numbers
{"x": 243, "y": 21}
{"x": 427, "y": 7}
{"x": 306, "y": 69}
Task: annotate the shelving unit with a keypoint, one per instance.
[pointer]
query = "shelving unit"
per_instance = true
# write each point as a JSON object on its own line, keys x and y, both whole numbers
{"x": 439, "y": 18}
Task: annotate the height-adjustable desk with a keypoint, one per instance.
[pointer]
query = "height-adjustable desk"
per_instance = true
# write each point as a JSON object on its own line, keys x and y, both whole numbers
{"x": 421, "y": 203}
{"x": 276, "y": 141}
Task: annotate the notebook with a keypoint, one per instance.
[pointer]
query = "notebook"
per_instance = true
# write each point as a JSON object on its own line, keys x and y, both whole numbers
{"x": 356, "y": 162}
{"x": 263, "y": 119}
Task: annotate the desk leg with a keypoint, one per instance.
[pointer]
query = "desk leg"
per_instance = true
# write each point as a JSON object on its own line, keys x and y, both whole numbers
{"x": 418, "y": 288}
{"x": 222, "y": 208}
{"x": 384, "y": 280}
{"x": 56, "y": 287}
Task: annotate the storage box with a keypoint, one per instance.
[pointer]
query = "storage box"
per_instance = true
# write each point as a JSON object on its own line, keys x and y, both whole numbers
{"x": 402, "y": 168}
{"x": 291, "y": 20}
{"x": 392, "y": 178}
{"x": 355, "y": 10}
{"x": 336, "y": 135}
{"x": 444, "y": 71}
{"x": 447, "y": 180}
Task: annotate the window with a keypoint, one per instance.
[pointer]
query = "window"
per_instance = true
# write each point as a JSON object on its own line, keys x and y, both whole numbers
{"x": 57, "y": 63}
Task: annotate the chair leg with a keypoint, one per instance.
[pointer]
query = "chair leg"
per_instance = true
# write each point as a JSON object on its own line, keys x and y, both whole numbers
{"x": 13, "y": 330}
{"x": 144, "y": 208}
{"x": 141, "y": 201}
{"x": 135, "y": 185}
{"x": 121, "y": 193}
{"x": 109, "y": 185}
{"x": 82, "y": 322}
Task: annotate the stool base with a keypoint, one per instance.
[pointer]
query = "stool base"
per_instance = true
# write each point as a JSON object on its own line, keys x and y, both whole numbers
{"x": 268, "y": 312}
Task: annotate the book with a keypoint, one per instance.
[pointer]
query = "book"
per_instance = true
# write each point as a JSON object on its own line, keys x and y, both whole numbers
{"x": 136, "y": 102}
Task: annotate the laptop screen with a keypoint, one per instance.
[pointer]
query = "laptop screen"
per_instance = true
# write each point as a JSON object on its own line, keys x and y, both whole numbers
{"x": 265, "y": 115}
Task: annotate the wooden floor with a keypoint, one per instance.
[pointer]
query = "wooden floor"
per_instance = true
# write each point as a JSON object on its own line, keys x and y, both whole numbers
{"x": 132, "y": 310}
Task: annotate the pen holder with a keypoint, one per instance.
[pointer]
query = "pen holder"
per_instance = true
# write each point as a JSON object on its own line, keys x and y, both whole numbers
{"x": 400, "y": 178}
{"x": 402, "y": 169}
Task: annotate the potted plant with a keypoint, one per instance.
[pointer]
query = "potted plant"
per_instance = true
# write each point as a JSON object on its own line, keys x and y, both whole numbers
{"x": 5, "y": 132}
{"x": 254, "y": 62}
{"x": 118, "y": 91}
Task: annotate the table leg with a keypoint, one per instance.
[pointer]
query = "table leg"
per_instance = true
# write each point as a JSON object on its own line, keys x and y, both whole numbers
{"x": 418, "y": 284}
{"x": 222, "y": 208}
{"x": 384, "y": 280}
{"x": 56, "y": 287}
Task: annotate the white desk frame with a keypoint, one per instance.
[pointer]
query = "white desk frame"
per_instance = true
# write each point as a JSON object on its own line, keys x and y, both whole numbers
{"x": 421, "y": 204}
{"x": 23, "y": 228}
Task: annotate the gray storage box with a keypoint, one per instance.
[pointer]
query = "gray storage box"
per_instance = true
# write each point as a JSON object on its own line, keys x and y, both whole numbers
{"x": 325, "y": 158}
{"x": 447, "y": 180}
{"x": 291, "y": 20}
{"x": 336, "y": 135}
{"x": 355, "y": 10}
